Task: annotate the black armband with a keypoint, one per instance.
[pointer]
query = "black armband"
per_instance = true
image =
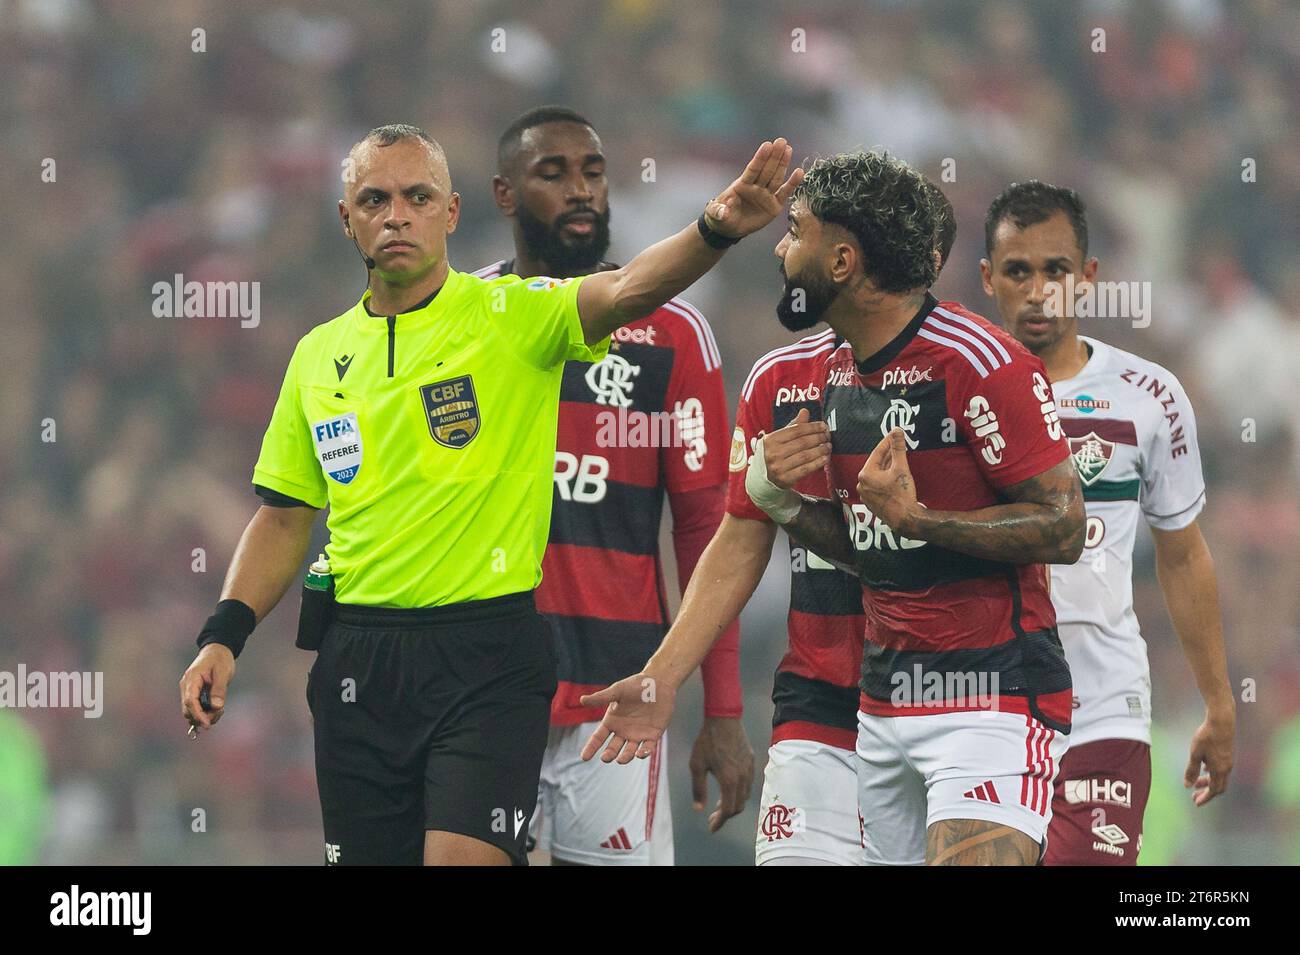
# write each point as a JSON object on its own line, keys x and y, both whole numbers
{"x": 274, "y": 498}
{"x": 230, "y": 626}
{"x": 715, "y": 239}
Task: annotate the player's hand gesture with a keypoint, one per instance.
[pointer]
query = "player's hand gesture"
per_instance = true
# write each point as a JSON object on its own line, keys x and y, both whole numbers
{"x": 781, "y": 460}
{"x": 213, "y": 670}
{"x": 758, "y": 196}
{"x": 801, "y": 448}
{"x": 1211, "y": 748}
{"x": 885, "y": 482}
{"x": 639, "y": 710}
{"x": 723, "y": 750}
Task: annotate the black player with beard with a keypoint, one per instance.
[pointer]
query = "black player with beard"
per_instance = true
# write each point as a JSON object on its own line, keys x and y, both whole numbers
{"x": 567, "y": 251}
{"x": 552, "y": 183}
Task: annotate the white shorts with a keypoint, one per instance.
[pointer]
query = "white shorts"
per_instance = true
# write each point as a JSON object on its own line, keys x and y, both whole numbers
{"x": 809, "y": 807}
{"x": 914, "y": 771}
{"x": 598, "y": 813}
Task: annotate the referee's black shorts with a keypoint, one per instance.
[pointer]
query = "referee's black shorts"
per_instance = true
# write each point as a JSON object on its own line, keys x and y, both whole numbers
{"x": 430, "y": 719}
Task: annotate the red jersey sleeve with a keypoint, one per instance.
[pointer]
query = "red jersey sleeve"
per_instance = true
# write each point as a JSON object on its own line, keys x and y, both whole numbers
{"x": 1009, "y": 420}
{"x": 753, "y": 420}
{"x": 697, "y": 401}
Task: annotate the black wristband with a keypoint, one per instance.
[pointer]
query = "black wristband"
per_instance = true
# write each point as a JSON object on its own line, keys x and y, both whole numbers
{"x": 715, "y": 239}
{"x": 230, "y": 626}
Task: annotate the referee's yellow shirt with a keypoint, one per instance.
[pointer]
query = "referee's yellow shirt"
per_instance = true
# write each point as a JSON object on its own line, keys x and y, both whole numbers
{"x": 431, "y": 436}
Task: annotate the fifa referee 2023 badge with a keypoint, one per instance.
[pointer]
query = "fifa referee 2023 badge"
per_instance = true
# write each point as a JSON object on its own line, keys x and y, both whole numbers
{"x": 424, "y": 417}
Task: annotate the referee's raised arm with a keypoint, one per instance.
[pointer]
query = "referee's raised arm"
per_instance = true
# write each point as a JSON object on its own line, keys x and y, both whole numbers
{"x": 608, "y": 300}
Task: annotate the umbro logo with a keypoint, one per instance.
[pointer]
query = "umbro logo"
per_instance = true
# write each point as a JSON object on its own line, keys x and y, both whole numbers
{"x": 1110, "y": 839}
{"x": 984, "y": 792}
{"x": 341, "y": 365}
{"x": 1112, "y": 833}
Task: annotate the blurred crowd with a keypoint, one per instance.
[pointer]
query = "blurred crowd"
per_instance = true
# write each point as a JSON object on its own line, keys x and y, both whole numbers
{"x": 205, "y": 138}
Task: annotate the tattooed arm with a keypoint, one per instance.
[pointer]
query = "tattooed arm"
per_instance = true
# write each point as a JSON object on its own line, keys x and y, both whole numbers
{"x": 1043, "y": 523}
{"x": 819, "y": 526}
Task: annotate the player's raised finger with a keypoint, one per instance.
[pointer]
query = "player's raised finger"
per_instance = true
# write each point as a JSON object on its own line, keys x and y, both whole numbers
{"x": 898, "y": 445}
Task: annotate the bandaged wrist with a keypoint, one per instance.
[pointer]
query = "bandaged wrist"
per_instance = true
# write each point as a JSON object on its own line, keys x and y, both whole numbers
{"x": 782, "y": 504}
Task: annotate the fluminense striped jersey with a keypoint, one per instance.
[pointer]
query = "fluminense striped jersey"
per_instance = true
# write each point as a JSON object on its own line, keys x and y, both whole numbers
{"x": 945, "y": 631}
{"x": 815, "y": 690}
{"x": 649, "y": 419}
{"x": 1133, "y": 438}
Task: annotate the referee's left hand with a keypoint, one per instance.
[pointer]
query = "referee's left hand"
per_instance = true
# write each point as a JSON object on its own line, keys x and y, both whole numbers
{"x": 214, "y": 668}
{"x": 758, "y": 196}
{"x": 640, "y": 708}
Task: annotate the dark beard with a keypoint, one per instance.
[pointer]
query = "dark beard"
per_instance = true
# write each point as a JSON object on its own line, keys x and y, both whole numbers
{"x": 562, "y": 254}
{"x": 818, "y": 296}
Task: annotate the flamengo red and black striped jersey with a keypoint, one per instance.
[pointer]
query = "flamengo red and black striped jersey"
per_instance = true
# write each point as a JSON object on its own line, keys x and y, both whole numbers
{"x": 815, "y": 690}
{"x": 648, "y": 420}
{"x": 945, "y": 631}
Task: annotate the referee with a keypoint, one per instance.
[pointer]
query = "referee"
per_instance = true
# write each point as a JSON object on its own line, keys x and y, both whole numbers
{"x": 424, "y": 417}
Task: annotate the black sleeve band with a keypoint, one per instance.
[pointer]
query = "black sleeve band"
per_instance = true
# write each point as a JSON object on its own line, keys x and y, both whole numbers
{"x": 716, "y": 239}
{"x": 230, "y": 626}
{"x": 273, "y": 498}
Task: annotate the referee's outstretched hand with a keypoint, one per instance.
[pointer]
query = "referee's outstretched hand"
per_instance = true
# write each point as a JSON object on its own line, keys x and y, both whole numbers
{"x": 212, "y": 668}
{"x": 758, "y": 196}
{"x": 639, "y": 710}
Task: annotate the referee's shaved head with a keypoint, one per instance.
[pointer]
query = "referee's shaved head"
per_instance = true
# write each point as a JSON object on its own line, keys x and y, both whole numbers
{"x": 511, "y": 142}
{"x": 383, "y": 136}
{"x": 398, "y": 205}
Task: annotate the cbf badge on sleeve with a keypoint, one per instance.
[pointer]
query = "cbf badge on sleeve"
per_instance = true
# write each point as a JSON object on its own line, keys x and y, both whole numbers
{"x": 452, "y": 411}
{"x": 338, "y": 446}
